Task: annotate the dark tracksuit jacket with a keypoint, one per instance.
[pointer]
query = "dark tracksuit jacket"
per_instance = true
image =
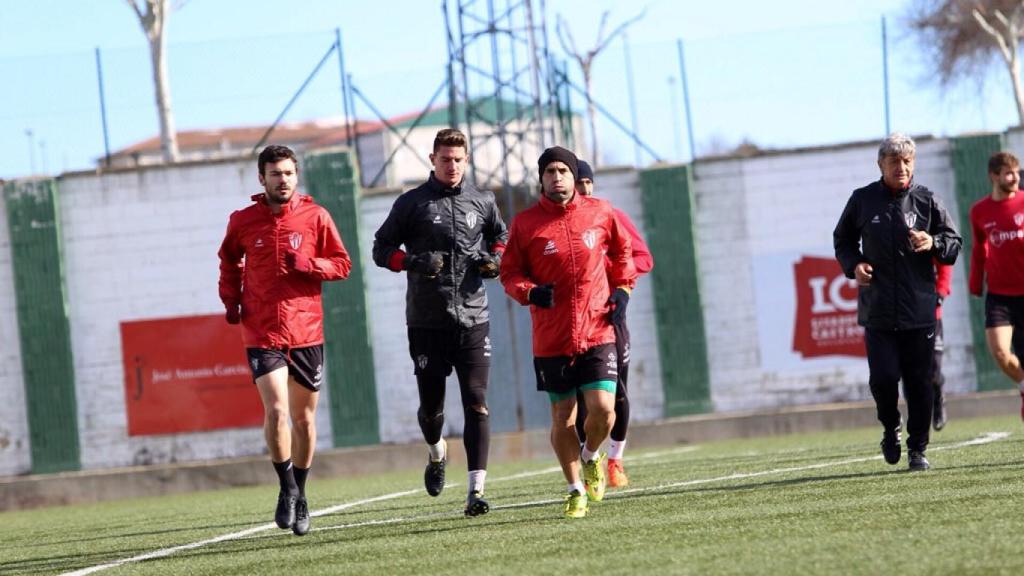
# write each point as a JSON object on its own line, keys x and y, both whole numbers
{"x": 462, "y": 223}
{"x": 897, "y": 309}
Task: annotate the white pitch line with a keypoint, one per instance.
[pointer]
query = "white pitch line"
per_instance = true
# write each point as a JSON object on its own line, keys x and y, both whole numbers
{"x": 984, "y": 439}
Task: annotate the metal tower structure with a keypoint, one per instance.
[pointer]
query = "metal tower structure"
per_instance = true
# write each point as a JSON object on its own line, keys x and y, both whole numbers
{"x": 502, "y": 92}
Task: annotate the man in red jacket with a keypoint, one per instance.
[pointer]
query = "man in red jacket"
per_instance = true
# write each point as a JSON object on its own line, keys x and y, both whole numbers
{"x": 555, "y": 262}
{"x": 997, "y": 263}
{"x": 644, "y": 262}
{"x": 943, "y": 280}
{"x": 275, "y": 255}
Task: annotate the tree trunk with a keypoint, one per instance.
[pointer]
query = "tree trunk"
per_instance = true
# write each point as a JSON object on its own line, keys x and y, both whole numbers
{"x": 1018, "y": 90}
{"x": 168, "y": 135}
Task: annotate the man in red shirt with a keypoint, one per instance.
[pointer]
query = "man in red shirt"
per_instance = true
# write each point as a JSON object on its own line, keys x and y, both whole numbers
{"x": 275, "y": 255}
{"x": 644, "y": 262}
{"x": 555, "y": 262}
{"x": 997, "y": 263}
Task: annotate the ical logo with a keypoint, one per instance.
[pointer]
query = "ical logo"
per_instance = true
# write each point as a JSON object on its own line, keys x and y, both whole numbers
{"x": 590, "y": 238}
{"x": 421, "y": 361}
{"x": 319, "y": 374}
{"x": 1018, "y": 218}
{"x": 471, "y": 220}
{"x": 550, "y": 248}
{"x": 259, "y": 243}
{"x": 255, "y": 364}
{"x": 295, "y": 240}
{"x": 910, "y": 218}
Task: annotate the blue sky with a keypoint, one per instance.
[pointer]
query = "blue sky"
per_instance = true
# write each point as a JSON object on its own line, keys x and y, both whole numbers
{"x": 781, "y": 74}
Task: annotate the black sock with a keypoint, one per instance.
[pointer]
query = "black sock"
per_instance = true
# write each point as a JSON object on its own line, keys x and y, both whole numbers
{"x": 300, "y": 478}
{"x": 286, "y": 476}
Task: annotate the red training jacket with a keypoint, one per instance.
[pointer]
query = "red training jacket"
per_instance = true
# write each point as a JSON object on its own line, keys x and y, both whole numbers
{"x": 566, "y": 246}
{"x": 642, "y": 258}
{"x": 281, "y": 308}
{"x": 943, "y": 283}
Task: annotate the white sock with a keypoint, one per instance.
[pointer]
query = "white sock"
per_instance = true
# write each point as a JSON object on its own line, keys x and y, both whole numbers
{"x": 615, "y": 449}
{"x": 476, "y": 480}
{"x": 437, "y": 451}
{"x": 578, "y": 486}
{"x": 587, "y": 455}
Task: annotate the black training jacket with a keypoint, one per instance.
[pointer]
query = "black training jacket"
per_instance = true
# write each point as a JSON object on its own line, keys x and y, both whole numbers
{"x": 463, "y": 224}
{"x": 875, "y": 228}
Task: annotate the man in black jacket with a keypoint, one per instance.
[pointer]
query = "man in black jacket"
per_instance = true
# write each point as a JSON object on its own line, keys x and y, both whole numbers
{"x": 454, "y": 237}
{"x": 886, "y": 238}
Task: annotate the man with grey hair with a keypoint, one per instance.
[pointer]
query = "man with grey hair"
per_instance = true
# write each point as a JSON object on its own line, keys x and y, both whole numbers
{"x": 887, "y": 237}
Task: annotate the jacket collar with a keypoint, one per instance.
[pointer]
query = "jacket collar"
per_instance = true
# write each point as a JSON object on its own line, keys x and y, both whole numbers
{"x": 435, "y": 185}
{"x": 551, "y": 206}
{"x": 895, "y": 193}
{"x": 292, "y": 205}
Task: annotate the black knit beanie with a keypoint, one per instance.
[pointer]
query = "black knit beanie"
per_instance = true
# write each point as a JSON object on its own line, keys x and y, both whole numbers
{"x": 558, "y": 154}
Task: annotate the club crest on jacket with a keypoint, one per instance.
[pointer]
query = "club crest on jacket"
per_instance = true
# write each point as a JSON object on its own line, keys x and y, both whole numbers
{"x": 295, "y": 240}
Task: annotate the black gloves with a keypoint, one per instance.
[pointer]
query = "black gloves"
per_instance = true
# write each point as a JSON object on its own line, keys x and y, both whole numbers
{"x": 427, "y": 263}
{"x": 542, "y": 296}
{"x": 489, "y": 265}
{"x": 620, "y": 299}
{"x": 233, "y": 314}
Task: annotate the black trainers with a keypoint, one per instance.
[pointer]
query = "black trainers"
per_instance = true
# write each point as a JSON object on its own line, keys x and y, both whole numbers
{"x": 285, "y": 513}
{"x": 939, "y": 411}
{"x": 891, "y": 444}
{"x": 433, "y": 476}
{"x": 301, "y": 525}
{"x": 476, "y": 505}
{"x": 918, "y": 463}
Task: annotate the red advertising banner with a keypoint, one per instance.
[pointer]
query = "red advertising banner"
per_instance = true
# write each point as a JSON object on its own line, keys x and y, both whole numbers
{"x": 826, "y": 310}
{"x": 187, "y": 374}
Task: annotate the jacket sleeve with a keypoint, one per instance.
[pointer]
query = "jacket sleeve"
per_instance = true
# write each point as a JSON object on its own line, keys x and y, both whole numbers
{"x": 946, "y": 241}
{"x": 846, "y": 238}
{"x": 495, "y": 233}
{"x": 389, "y": 237}
{"x": 621, "y": 270}
{"x": 943, "y": 279}
{"x": 515, "y": 270}
{"x": 642, "y": 259}
{"x": 231, "y": 253}
{"x": 979, "y": 253}
{"x": 331, "y": 261}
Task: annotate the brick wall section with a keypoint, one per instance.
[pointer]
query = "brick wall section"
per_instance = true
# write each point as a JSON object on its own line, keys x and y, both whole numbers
{"x": 144, "y": 245}
{"x": 15, "y": 452}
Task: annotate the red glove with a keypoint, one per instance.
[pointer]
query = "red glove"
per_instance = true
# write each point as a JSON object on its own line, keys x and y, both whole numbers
{"x": 298, "y": 261}
{"x": 233, "y": 315}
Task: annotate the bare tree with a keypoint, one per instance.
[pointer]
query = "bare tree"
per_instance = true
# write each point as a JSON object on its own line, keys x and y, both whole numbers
{"x": 586, "y": 61}
{"x": 963, "y": 36}
{"x": 154, "y": 22}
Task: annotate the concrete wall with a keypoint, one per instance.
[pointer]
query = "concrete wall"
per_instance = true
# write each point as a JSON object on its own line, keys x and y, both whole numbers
{"x": 143, "y": 245}
{"x": 15, "y": 455}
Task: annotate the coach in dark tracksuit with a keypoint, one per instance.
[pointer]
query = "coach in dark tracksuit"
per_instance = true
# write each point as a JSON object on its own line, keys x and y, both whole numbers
{"x": 454, "y": 238}
{"x": 886, "y": 238}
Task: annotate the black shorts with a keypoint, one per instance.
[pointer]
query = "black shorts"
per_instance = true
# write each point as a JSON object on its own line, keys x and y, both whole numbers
{"x": 559, "y": 375}
{"x": 1004, "y": 310}
{"x": 306, "y": 365}
{"x": 435, "y": 352}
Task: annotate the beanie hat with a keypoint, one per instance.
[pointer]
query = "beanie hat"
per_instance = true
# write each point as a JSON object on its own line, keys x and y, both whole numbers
{"x": 558, "y": 154}
{"x": 585, "y": 171}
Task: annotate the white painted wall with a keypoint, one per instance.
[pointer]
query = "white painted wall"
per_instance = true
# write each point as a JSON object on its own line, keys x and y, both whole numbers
{"x": 143, "y": 245}
{"x": 15, "y": 450}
